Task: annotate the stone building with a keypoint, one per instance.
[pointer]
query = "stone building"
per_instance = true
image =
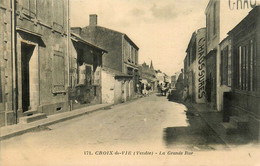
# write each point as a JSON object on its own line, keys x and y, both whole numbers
{"x": 221, "y": 17}
{"x": 7, "y": 113}
{"x": 121, "y": 60}
{"x": 85, "y": 73}
{"x": 148, "y": 75}
{"x": 245, "y": 95}
{"x": 35, "y": 79}
{"x": 173, "y": 81}
{"x": 190, "y": 68}
{"x": 194, "y": 67}
{"x": 225, "y": 68}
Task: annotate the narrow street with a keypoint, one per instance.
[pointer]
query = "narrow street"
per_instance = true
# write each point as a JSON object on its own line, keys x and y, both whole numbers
{"x": 148, "y": 123}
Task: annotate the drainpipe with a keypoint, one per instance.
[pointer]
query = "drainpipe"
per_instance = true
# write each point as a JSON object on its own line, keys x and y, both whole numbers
{"x": 68, "y": 50}
{"x": 14, "y": 69}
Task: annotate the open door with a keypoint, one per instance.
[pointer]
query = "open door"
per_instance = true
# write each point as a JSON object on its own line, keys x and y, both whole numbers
{"x": 29, "y": 74}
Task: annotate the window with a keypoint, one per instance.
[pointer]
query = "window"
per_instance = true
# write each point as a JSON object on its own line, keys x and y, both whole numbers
{"x": 252, "y": 66}
{"x": 89, "y": 76}
{"x": 44, "y": 11}
{"x": 214, "y": 19}
{"x": 246, "y": 67}
{"x": 58, "y": 17}
{"x": 136, "y": 57}
{"x": 239, "y": 66}
{"x": 129, "y": 52}
{"x": 132, "y": 54}
{"x": 229, "y": 65}
{"x": 85, "y": 76}
{"x": 221, "y": 66}
{"x": 29, "y": 7}
{"x": 58, "y": 72}
{"x": 208, "y": 26}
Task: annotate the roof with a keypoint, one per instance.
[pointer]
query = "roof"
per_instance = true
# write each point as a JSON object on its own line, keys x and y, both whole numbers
{"x": 191, "y": 40}
{"x": 107, "y": 29}
{"x": 251, "y": 13}
{"x": 78, "y": 38}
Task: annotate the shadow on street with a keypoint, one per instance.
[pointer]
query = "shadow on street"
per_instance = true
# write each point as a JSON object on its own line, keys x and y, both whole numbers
{"x": 196, "y": 136}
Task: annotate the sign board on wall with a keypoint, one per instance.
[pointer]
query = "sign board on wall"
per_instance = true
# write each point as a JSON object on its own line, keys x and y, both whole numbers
{"x": 232, "y": 12}
{"x": 200, "y": 67}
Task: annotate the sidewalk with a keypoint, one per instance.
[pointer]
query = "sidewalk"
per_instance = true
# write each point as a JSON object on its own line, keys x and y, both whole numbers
{"x": 18, "y": 129}
{"x": 214, "y": 119}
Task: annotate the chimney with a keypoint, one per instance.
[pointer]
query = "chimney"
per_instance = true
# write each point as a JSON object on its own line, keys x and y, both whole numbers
{"x": 92, "y": 20}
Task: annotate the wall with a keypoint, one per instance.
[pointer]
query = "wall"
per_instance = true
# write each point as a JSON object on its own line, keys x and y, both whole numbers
{"x": 109, "y": 40}
{"x": 200, "y": 66}
{"x": 81, "y": 91}
{"x": 228, "y": 14}
{"x": 6, "y": 110}
{"x": 49, "y": 35}
{"x": 211, "y": 37}
{"x": 245, "y": 101}
{"x": 227, "y": 86}
{"x": 108, "y": 87}
{"x": 211, "y": 79}
{"x": 118, "y": 95}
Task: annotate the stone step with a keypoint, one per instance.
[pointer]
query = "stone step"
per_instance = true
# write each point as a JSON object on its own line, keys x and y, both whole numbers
{"x": 32, "y": 118}
{"x": 240, "y": 122}
{"x": 29, "y": 113}
{"x": 229, "y": 128}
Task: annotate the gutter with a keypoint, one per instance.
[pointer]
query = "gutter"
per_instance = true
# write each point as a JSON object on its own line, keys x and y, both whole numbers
{"x": 14, "y": 69}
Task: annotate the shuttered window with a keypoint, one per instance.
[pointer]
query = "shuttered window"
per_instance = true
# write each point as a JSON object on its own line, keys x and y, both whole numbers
{"x": 29, "y": 7}
{"x": 58, "y": 72}
{"x": 245, "y": 64}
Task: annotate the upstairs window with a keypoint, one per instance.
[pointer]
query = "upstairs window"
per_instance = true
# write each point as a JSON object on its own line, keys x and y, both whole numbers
{"x": 58, "y": 14}
{"x": 214, "y": 19}
{"x": 224, "y": 68}
{"x": 29, "y": 8}
{"x": 208, "y": 26}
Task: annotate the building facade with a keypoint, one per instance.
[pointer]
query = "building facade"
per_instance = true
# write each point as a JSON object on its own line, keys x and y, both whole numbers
{"x": 173, "y": 81}
{"x": 221, "y": 17}
{"x": 7, "y": 112}
{"x": 190, "y": 68}
{"x": 225, "y": 47}
{"x": 85, "y": 73}
{"x": 148, "y": 75}
{"x": 35, "y": 62}
{"x": 195, "y": 67}
{"x": 245, "y": 81}
{"x": 122, "y": 57}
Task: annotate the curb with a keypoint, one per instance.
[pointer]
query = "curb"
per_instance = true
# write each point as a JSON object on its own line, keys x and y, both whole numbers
{"x": 210, "y": 125}
{"x": 36, "y": 127}
{"x": 218, "y": 135}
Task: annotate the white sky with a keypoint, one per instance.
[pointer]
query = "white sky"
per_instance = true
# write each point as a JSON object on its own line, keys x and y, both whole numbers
{"x": 160, "y": 28}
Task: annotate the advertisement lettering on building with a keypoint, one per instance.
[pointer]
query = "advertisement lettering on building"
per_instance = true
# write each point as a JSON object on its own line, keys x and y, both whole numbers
{"x": 232, "y": 12}
{"x": 201, "y": 66}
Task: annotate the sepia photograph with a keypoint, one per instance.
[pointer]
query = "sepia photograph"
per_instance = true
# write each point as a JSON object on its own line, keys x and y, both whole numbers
{"x": 129, "y": 82}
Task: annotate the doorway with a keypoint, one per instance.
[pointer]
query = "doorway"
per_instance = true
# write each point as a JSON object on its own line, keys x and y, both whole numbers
{"x": 29, "y": 74}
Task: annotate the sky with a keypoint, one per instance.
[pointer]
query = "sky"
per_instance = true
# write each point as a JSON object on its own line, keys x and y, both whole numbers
{"x": 160, "y": 28}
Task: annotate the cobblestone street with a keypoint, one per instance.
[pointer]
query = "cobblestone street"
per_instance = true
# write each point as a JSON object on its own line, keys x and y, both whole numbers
{"x": 151, "y": 124}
